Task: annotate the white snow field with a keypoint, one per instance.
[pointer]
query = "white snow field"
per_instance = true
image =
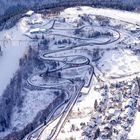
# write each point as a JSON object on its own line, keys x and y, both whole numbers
{"x": 116, "y": 14}
{"x": 119, "y": 62}
{"x": 33, "y": 103}
{"x": 134, "y": 134}
{"x": 14, "y": 45}
{"x": 115, "y": 63}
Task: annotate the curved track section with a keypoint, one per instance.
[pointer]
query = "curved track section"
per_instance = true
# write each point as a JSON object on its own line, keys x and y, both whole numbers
{"x": 48, "y": 79}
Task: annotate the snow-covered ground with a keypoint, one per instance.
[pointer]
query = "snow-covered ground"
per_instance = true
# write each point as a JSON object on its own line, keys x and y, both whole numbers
{"x": 134, "y": 134}
{"x": 33, "y": 103}
{"x": 114, "y": 61}
{"x": 14, "y": 45}
{"x": 81, "y": 113}
{"x": 116, "y": 14}
{"x": 119, "y": 63}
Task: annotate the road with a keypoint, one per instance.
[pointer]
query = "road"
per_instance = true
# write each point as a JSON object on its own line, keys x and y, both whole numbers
{"x": 72, "y": 97}
{"x": 64, "y": 115}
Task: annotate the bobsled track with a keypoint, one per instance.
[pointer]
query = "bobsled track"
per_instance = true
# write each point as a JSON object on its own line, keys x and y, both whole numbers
{"x": 68, "y": 62}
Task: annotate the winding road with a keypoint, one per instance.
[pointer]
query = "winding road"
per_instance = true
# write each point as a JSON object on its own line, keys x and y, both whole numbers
{"x": 72, "y": 62}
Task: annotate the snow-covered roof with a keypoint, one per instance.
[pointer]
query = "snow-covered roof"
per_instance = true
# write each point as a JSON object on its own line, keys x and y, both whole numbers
{"x": 29, "y": 13}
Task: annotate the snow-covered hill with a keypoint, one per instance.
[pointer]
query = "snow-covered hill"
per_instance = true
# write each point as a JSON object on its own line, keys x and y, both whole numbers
{"x": 14, "y": 48}
{"x": 11, "y": 7}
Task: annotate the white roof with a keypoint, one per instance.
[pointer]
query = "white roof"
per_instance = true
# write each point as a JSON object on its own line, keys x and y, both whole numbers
{"x": 30, "y": 12}
{"x": 34, "y": 30}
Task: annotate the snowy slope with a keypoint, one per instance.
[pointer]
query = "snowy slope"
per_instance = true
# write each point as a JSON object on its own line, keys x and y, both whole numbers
{"x": 16, "y": 6}
{"x": 26, "y": 4}
{"x": 14, "y": 45}
{"x": 134, "y": 134}
{"x": 13, "y": 49}
{"x": 117, "y": 14}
